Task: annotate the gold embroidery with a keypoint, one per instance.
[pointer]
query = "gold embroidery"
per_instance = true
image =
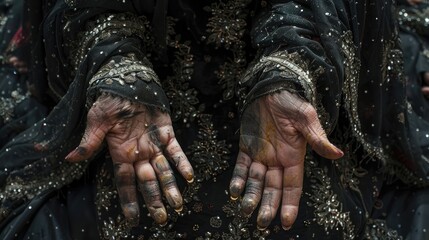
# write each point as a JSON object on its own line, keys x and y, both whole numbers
{"x": 351, "y": 82}
{"x": 32, "y": 182}
{"x": 183, "y": 99}
{"x": 209, "y": 156}
{"x": 226, "y": 28}
{"x": 128, "y": 70}
{"x": 122, "y": 25}
{"x": 328, "y": 210}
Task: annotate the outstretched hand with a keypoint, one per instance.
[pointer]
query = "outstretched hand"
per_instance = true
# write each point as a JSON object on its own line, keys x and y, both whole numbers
{"x": 274, "y": 133}
{"x": 138, "y": 137}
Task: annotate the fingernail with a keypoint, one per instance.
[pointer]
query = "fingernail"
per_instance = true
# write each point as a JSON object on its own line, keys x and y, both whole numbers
{"x": 247, "y": 207}
{"x": 286, "y": 228}
{"x": 160, "y": 216}
{"x": 175, "y": 201}
{"x": 261, "y": 228}
{"x": 263, "y": 219}
{"x": 235, "y": 190}
{"x": 178, "y": 210}
{"x": 233, "y": 198}
{"x": 190, "y": 177}
{"x": 339, "y": 152}
{"x": 131, "y": 213}
{"x": 70, "y": 155}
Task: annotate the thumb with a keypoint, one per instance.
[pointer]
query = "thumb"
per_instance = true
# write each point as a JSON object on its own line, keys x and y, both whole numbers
{"x": 316, "y": 137}
{"x": 91, "y": 141}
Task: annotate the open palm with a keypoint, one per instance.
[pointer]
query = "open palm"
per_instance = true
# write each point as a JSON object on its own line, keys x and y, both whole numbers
{"x": 138, "y": 137}
{"x": 274, "y": 133}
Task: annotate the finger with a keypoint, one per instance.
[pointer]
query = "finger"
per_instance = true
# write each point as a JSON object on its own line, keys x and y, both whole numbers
{"x": 315, "y": 135}
{"x": 126, "y": 186}
{"x": 91, "y": 141}
{"x": 180, "y": 160}
{"x": 149, "y": 187}
{"x": 254, "y": 187}
{"x": 168, "y": 182}
{"x": 239, "y": 176}
{"x": 271, "y": 197}
{"x": 425, "y": 91}
{"x": 292, "y": 188}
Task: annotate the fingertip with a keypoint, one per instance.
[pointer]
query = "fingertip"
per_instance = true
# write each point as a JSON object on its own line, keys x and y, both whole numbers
{"x": 131, "y": 212}
{"x": 286, "y": 228}
{"x": 78, "y": 154}
{"x": 288, "y": 217}
{"x": 159, "y": 215}
{"x": 337, "y": 153}
{"x": 264, "y": 219}
{"x": 248, "y": 205}
{"x": 190, "y": 179}
{"x": 175, "y": 201}
{"x": 235, "y": 189}
{"x": 333, "y": 151}
{"x": 71, "y": 157}
{"x": 189, "y": 175}
{"x": 328, "y": 150}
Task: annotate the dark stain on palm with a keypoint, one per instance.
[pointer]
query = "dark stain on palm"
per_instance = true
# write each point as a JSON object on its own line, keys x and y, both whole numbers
{"x": 125, "y": 113}
{"x": 154, "y": 136}
{"x": 81, "y": 151}
{"x": 251, "y": 132}
{"x": 150, "y": 191}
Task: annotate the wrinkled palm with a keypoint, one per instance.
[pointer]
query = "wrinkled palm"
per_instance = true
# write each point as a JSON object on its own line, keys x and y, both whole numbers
{"x": 139, "y": 140}
{"x": 274, "y": 133}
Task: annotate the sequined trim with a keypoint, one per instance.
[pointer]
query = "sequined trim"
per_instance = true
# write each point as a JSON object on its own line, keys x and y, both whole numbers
{"x": 350, "y": 90}
{"x": 128, "y": 70}
{"x": 31, "y": 183}
{"x": 7, "y": 105}
{"x": 106, "y": 26}
{"x": 292, "y": 65}
{"x": 393, "y": 59}
{"x": 414, "y": 19}
{"x": 377, "y": 229}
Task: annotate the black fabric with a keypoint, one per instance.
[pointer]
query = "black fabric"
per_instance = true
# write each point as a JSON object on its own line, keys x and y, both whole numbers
{"x": 338, "y": 199}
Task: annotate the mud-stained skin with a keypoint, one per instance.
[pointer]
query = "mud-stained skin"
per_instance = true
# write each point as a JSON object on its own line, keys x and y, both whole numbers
{"x": 138, "y": 137}
{"x": 152, "y": 197}
{"x": 274, "y": 133}
{"x": 125, "y": 183}
{"x": 168, "y": 182}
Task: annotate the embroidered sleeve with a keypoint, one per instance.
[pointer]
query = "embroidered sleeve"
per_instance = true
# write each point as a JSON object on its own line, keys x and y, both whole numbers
{"x": 125, "y": 72}
{"x": 129, "y": 78}
{"x": 294, "y": 55}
